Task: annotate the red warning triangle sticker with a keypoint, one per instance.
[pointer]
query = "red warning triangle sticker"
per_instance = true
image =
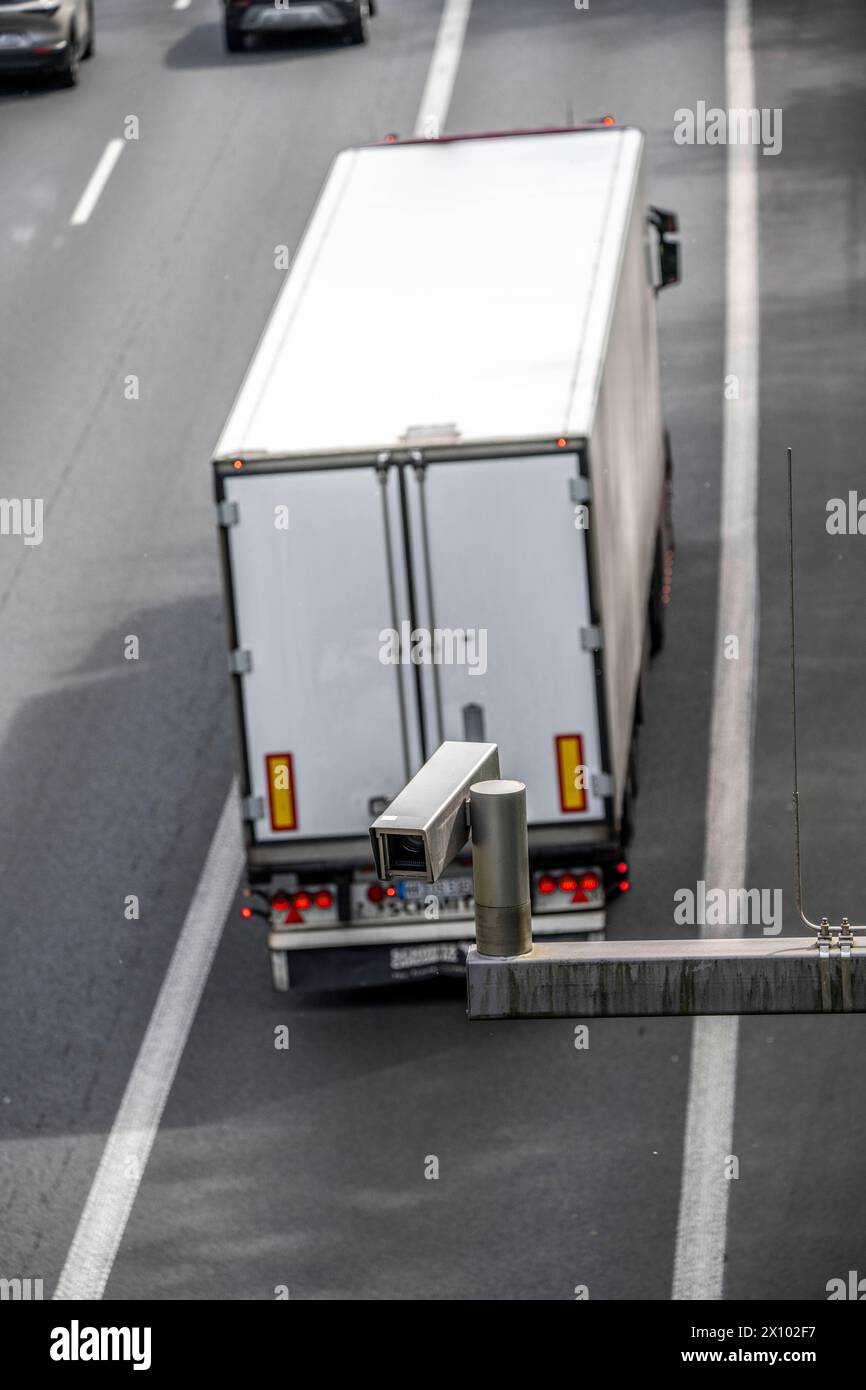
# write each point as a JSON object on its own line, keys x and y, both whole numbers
{"x": 294, "y": 915}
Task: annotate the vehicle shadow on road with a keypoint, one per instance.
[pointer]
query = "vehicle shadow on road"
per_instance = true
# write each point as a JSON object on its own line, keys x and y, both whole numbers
{"x": 30, "y": 85}
{"x": 438, "y": 989}
{"x": 203, "y": 47}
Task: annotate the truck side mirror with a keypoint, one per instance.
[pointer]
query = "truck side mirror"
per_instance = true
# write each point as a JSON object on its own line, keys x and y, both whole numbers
{"x": 667, "y": 225}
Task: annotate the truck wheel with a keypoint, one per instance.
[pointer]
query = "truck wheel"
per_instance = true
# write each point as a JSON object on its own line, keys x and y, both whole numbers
{"x": 630, "y": 795}
{"x": 656, "y": 606}
{"x": 626, "y": 829}
{"x": 280, "y": 970}
{"x": 633, "y": 778}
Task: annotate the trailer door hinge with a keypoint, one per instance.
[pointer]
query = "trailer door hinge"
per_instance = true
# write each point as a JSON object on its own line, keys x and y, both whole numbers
{"x": 591, "y": 639}
{"x": 240, "y": 662}
{"x": 579, "y": 489}
{"x": 601, "y": 784}
{"x": 253, "y": 807}
{"x": 228, "y": 513}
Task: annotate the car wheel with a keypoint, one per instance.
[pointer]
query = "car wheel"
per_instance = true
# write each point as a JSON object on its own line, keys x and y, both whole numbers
{"x": 91, "y": 35}
{"x": 357, "y": 30}
{"x": 234, "y": 39}
{"x": 71, "y": 71}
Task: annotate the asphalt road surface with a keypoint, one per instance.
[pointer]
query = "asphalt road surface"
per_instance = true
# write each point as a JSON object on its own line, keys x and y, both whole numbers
{"x": 305, "y": 1168}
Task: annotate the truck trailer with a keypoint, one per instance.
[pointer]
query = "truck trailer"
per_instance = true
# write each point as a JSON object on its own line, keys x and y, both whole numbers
{"x": 443, "y": 495}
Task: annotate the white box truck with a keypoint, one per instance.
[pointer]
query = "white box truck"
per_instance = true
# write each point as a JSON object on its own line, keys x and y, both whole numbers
{"x": 443, "y": 497}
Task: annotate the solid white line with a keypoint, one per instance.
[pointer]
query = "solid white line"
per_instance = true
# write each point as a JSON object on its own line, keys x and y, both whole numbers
{"x": 98, "y": 179}
{"x": 106, "y": 1211}
{"x": 436, "y": 97}
{"x": 703, "y": 1212}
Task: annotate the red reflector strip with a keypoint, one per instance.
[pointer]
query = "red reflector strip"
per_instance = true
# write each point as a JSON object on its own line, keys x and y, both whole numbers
{"x": 281, "y": 791}
{"x": 572, "y": 773}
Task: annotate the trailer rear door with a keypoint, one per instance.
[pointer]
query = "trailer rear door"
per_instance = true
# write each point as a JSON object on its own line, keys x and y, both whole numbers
{"x": 500, "y": 555}
{"x": 311, "y": 593}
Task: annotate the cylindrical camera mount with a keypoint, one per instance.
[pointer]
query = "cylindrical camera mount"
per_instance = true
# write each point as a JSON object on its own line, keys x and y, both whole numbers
{"x": 500, "y": 860}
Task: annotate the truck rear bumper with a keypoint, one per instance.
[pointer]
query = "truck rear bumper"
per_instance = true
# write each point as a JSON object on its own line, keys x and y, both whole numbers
{"x": 563, "y": 924}
{"x": 351, "y": 957}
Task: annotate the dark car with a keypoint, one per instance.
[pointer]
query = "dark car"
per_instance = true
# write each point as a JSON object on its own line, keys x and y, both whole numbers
{"x": 46, "y": 36}
{"x": 260, "y": 18}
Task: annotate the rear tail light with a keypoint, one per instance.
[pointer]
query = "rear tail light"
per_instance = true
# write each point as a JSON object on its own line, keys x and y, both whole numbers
{"x": 281, "y": 902}
{"x": 579, "y": 886}
{"x": 624, "y": 886}
{"x": 324, "y": 898}
{"x": 302, "y": 901}
{"x": 246, "y": 913}
{"x": 375, "y": 892}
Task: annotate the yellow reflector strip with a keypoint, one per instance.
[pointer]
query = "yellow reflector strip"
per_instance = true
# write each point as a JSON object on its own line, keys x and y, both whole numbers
{"x": 572, "y": 772}
{"x": 281, "y": 791}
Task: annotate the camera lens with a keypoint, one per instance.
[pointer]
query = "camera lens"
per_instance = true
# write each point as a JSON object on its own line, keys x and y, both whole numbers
{"x": 406, "y": 852}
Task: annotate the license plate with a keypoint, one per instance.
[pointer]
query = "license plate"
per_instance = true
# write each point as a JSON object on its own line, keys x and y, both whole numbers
{"x": 444, "y": 890}
{"x": 416, "y": 957}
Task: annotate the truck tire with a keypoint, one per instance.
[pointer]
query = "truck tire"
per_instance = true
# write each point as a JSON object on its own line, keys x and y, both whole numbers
{"x": 626, "y": 828}
{"x": 280, "y": 970}
{"x": 633, "y": 766}
{"x": 656, "y": 605}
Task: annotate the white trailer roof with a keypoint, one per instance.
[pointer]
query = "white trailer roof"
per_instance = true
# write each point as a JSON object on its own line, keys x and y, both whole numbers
{"x": 465, "y": 284}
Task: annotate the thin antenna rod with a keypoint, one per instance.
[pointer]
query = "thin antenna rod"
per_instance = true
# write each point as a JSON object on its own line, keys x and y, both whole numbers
{"x": 798, "y": 877}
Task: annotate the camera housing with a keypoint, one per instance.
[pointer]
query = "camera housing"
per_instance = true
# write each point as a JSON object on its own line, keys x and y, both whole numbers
{"x": 427, "y": 824}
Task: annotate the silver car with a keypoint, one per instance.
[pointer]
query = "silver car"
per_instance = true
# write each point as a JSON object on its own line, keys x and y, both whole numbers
{"x": 46, "y": 36}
